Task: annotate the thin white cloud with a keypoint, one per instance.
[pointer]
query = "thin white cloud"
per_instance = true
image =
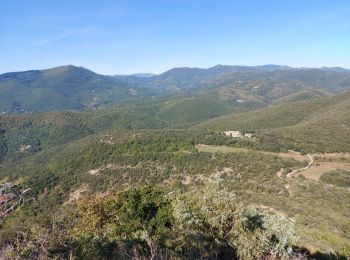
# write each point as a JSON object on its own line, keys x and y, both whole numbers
{"x": 62, "y": 36}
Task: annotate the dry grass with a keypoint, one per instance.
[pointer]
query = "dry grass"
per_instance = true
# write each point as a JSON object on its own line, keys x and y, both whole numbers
{"x": 77, "y": 194}
{"x": 226, "y": 149}
{"x": 314, "y": 172}
{"x": 317, "y": 169}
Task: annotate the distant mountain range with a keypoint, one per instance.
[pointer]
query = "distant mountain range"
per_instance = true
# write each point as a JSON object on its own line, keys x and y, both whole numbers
{"x": 70, "y": 87}
{"x": 143, "y": 75}
{"x": 167, "y": 132}
{"x": 66, "y": 87}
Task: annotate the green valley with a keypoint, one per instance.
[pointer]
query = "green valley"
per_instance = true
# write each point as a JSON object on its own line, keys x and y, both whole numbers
{"x": 157, "y": 177}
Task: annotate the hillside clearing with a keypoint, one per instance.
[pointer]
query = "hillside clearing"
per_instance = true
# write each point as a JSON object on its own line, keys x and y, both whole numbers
{"x": 226, "y": 149}
{"x": 316, "y": 170}
{"x": 312, "y": 171}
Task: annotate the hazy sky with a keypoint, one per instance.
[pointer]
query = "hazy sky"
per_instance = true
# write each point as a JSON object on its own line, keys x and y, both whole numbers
{"x": 121, "y": 37}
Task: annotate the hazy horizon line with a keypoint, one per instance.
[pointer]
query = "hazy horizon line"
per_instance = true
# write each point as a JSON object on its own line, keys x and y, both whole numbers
{"x": 176, "y": 67}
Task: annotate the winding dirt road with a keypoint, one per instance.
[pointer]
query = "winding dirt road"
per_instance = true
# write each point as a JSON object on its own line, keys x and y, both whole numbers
{"x": 295, "y": 171}
{"x": 313, "y": 170}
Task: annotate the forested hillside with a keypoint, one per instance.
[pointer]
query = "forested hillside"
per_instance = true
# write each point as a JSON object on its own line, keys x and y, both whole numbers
{"x": 113, "y": 162}
{"x": 70, "y": 87}
{"x": 157, "y": 177}
{"x": 124, "y": 134}
{"x": 66, "y": 87}
{"x": 318, "y": 125}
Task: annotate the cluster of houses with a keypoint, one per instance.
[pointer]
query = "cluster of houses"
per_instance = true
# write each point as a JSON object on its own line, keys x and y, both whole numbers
{"x": 238, "y": 134}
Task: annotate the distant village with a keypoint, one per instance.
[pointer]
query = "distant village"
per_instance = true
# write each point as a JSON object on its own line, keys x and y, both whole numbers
{"x": 238, "y": 134}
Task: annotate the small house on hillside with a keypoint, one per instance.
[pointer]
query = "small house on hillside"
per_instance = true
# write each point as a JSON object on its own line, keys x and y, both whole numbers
{"x": 238, "y": 134}
{"x": 233, "y": 134}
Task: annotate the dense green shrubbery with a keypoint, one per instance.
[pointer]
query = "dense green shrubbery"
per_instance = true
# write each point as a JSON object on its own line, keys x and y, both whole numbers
{"x": 213, "y": 212}
{"x": 238, "y": 215}
{"x": 338, "y": 178}
{"x": 317, "y": 125}
{"x": 168, "y": 158}
{"x": 144, "y": 223}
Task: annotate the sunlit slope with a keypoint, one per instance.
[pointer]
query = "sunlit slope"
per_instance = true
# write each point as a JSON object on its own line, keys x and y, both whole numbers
{"x": 318, "y": 124}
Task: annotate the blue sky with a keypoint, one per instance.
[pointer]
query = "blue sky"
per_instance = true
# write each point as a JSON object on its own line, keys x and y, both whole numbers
{"x": 123, "y": 37}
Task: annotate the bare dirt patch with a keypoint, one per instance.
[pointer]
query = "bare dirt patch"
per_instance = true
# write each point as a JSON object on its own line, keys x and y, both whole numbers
{"x": 110, "y": 166}
{"x": 317, "y": 169}
{"x": 294, "y": 155}
{"x": 77, "y": 194}
{"x": 317, "y": 163}
{"x": 186, "y": 180}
